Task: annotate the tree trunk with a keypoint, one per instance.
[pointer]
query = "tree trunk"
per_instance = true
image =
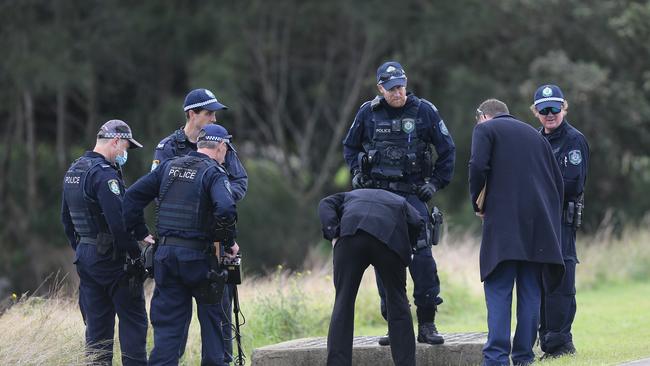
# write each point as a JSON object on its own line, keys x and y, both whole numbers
{"x": 30, "y": 149}
{"x": 61, "y": 147}
{"x": 91, "y": 109}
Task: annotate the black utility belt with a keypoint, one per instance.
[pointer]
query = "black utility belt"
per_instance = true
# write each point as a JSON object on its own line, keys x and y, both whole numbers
{"x": 401, "y": 187}
{"x": 185, "y": 243}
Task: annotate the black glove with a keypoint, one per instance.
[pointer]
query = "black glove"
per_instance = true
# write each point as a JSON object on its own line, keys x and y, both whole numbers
{"x": 426, "y": 191}
{"x": 358, "y": 181}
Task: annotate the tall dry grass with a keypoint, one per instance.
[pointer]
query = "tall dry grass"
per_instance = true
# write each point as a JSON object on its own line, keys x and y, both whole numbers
{"x": 286, "y": 305}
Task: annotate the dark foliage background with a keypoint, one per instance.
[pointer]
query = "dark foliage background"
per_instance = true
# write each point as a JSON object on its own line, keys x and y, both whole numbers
{"x": 294, "y": 73}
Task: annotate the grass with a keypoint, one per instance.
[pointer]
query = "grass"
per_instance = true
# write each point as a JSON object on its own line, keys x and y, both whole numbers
{"x": 612, "y": 323}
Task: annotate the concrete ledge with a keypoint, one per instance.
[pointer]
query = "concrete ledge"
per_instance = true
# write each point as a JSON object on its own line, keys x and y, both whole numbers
{"x": 459, "y": 349}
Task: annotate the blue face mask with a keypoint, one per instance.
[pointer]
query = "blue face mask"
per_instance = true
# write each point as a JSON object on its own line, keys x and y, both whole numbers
{"x": 121, "y": 159}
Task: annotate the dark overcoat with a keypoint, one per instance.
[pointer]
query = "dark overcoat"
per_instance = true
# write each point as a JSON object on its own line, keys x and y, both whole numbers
{"x": 523, "y": 198}
{"x": 382, "y": 214}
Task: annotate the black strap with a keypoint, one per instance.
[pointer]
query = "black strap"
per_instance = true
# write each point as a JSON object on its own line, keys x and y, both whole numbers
{"x": 185, "y": 243}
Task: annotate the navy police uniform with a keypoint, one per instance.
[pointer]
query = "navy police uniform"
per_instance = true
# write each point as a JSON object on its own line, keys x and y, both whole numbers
{"x": 177, "y": 144}
{"x": 571, "y": 150}
{"x": 92, "y": 218}
{"x": 397, "y": 142}
{"x": 195, "y": 198}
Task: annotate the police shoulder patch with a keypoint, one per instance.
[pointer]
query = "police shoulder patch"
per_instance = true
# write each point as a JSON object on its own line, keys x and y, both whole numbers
{"x": 154, "y": 164}
{"x": 575, "y": 157}
{"x": 114, "y": 186}
{"x": 443, "y": 128}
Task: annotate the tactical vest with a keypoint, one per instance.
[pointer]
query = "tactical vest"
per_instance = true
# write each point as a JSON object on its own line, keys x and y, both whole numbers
{"x": 86, "y": 214}
{"x": 396, "y": 151}
{"x": 181, "y": 145}
{"x": 182, "y": 204}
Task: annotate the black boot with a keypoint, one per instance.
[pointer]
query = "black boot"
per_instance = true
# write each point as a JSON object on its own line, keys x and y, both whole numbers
{"x": 384, "y": 340}
{"x": 427, "y": 333}
{"x": 565, "y": 349}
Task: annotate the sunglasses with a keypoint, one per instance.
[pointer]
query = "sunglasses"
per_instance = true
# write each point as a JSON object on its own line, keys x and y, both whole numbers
{"x": 479, "y": 114}
{"x": 547, "y": 110}
{"x": 385, "y": 76}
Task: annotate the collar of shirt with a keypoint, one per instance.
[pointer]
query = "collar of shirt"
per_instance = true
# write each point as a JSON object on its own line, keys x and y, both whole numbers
{"x": 557, "y": 133}
{"x": 92, "y": 154}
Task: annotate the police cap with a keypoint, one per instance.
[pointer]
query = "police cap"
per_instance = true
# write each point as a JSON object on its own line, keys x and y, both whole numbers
{"x": 118, "y": 128}
{"x": 202, "y": 98}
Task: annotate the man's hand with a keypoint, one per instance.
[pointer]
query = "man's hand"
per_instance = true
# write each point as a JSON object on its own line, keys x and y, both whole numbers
{"x": 480, "y": 214}
{"x": 334, "y": 242}
{"x": 149, "y": 239}
{"x": 426, "y": 191}
{"x": 232, "y": 251}
{"x": 358, "y": 181}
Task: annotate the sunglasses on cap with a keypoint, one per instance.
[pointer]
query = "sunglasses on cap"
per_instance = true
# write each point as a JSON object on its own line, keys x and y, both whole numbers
{"x": 385, "y": 76}
{"x": 547, "y": 110}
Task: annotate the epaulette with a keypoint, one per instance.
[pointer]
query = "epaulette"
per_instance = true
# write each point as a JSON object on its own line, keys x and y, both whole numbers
{"x": 429, "y": 104}
{"x": 163, "y": 142}
{"x": 375, "y": 102}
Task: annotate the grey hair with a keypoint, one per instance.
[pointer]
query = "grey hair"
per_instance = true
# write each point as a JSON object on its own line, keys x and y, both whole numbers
{"x": 493, "y": 107}
{"x": 205, "y": 144}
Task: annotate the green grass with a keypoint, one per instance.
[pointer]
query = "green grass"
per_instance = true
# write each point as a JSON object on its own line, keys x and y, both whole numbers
{"x": 612, "y": 323}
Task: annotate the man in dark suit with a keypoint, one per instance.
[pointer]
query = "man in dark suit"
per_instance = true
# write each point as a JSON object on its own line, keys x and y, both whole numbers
{"x": 520, "y": 207}
{"x": 370, "y": 226}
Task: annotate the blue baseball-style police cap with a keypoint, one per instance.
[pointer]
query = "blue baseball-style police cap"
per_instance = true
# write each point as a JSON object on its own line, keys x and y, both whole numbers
{"x": 548, "y": 95}
{"x": 202, "y": 98}
{"x": 214, "y": 132}
{"x": 118, "y": 128}
{"x": 391, "y": 74}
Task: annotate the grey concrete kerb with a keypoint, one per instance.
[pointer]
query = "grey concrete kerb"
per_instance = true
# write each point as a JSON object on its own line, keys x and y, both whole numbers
{"x": 459, "y": 349}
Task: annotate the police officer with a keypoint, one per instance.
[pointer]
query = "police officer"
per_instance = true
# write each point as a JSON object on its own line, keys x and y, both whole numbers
{"x": 200, "y": 108}
{"x": 195, "y": 208}
{"x": 572, "y": 153}
{"x": 389, "y": 147}
{"x": 92, "y": 218}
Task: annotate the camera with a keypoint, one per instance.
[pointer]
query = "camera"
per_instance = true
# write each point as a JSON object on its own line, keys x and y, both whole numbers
{"x": 233, "y": 268}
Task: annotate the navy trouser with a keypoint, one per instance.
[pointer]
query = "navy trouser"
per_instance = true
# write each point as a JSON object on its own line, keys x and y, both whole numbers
{"x": 424, "y": 272}
{"x": 208, "y": 312}
{"x": 101, "y": 297}
{"x": 352, "y": 255}
{"x": 177, "y": 272}
{"x": 498, "y": 297}
{"x": 558, "y": 308}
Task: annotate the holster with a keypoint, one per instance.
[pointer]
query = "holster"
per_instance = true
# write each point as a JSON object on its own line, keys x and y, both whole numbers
{"x": 148, "y": 257}
{"x": 210, "y": 290}
{"x": 435, "y": 225}
{"x": 104, "y": 243}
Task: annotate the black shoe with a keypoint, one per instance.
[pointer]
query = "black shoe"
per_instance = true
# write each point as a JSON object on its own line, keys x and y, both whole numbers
{"x": 563, "y": 350}
{"x": 427, "y": 333}
{"x": 384, "y": 340}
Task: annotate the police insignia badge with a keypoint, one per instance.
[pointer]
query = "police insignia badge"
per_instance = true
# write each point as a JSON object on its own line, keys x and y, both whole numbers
{"x": 209, "y": 93}
{"x": 575, "y": 157}
{"x": 154, "y": 164}
{"x": 114, "y": 186}
{"x": 408, "y": 125}
{"x": 443, "y": 128}
{"x": 547, "y": 92}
